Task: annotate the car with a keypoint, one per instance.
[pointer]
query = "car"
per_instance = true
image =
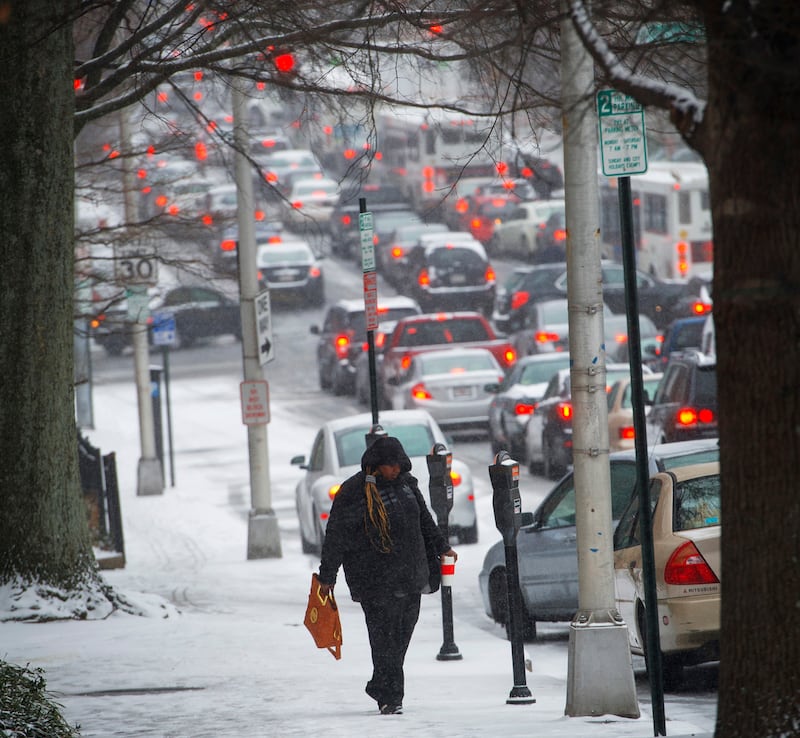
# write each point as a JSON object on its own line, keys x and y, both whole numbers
{"x": 384, "y": 223}
{"x": 620, "y": 410}
{"x": 290, "y": 268}
{"x": 311, "y": 203}
{"x": 658, "y": 299}
{"x": 450, "y": 273}
{"x": 485, "y": 212}
{"x": 687, "y": 526}
{"x": 546, "y": 543}
{"x": 544, "y": 328}
{"x": 685, "y": 405}
{"x": 450, "y": 384}
{"x": 199, "y": 313}
{"x": 548, "y": 435}
{"x": 362, "y": 380}
{"x": 279, "y": 163}
{"x": 683, "y": 334}
{"x": 551, "y": 240}
{"x": 515, "y": 399}
{"x": 516, "y": 235}
{"x": 341, "y": 336}
{"x": 615, "y": 328}
{"x": 393, "y": 257}
{"x": 226, "y": 256}
{"x": 336, "y": 455}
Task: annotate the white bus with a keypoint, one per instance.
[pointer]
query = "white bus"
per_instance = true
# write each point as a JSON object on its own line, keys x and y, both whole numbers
{"x": 671, "y": 220}
{"x": 426, "y": 152}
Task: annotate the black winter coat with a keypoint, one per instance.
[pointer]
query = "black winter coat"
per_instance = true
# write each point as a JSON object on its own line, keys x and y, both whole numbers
{"x": 351, "y": 540}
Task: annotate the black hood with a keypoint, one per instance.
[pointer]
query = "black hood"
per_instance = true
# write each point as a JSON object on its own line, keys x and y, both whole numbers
{"x": 386, "y": 450}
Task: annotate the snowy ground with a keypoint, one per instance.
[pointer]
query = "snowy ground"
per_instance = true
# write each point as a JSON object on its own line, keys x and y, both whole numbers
{"x": 233, "y": 658}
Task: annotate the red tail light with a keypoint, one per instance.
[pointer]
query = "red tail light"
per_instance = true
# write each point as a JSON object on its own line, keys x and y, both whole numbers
{"x": 229, "y": 244}
{"x": 396, "y": 252}
{"x": 475, "y": 223}
{"x": 462, "y": 206}
{"x": 346, "y": 220}
{"x": 559, "y": 235}
{"x": 271, "y": 177}
{"x": 420, "y": 392}
{"x": 297, "y": 205}
{"x": 524, "y": 408}
{"x": 489, "y": 276}
{"x": 687, "y": 566}
{"x": 546, "y": 337}
{"x": 314, "y": 272}
{"x": 423, "y": 278}
{"x": 701, "y": 308}
{"x": 455, "y": 477}
{"x": 333, "y": 490}
{"x": 509, "y": 356}
{"x": 518, "y": 299}
{"x": 342, "y": 344}
{"x": 564, "y": 410}
{"x": 690, "y": 416}
{"x": 627, "y": 433}
{"x": 405, "y": 362}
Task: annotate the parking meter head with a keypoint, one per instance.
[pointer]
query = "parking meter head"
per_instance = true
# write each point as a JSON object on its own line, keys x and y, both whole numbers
{"x": 440, "y": 483}
{"x": 504, "y": 476}
{"x": 375, "y": 432}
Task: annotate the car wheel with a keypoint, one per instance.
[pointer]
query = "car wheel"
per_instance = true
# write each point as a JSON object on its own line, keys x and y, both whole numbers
{"x": 320, "y": 535}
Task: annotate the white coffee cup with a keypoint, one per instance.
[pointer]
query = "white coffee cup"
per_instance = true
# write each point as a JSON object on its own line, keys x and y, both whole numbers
{"x": 448, "y": 570}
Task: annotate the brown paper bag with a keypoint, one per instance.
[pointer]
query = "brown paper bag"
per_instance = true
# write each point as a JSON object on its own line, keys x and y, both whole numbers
{"x": 322, "y": 620}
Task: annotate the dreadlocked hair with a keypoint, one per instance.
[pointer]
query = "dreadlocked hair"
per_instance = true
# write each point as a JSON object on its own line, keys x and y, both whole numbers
{"x": 376, "y": 512}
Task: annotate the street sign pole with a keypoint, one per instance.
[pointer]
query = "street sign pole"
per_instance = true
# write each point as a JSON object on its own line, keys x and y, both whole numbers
{"x": 366, "y": 232}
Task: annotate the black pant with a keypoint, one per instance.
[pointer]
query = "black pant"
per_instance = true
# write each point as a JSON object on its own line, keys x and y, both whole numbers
{"x": 390, "y": 624}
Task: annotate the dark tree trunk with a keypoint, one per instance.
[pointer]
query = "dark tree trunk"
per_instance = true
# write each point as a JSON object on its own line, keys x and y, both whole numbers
{"x": 752, "y": 148}
{"x": 44, "y": 537}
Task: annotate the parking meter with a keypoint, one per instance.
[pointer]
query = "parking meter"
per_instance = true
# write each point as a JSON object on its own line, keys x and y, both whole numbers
{"x": 504, "y": 476}
{"x": 374, "y": 433}
{"x": 440, "y": 487}
{"x": 440, "y": 484}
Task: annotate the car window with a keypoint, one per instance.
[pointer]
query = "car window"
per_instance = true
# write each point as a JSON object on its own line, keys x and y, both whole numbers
{"x": 697, "y": 457}
{"x": 317, "y": 460}
{"x": 623, "y": 483}
{"x": 650, "y": 386}
{"x": 559, "y": 510}
{"x": 674, "y": 386}
{"x": 351, "y": 443}
{"x": 696, "y": 503}
{"x": 705, "y": 390}
{"x": 350, "y": 446}
{"x": 628, "y": 533}
{"x": 542, "y": 371}
{"x": 434, "y": 364}
{"x": 451, "y": 256}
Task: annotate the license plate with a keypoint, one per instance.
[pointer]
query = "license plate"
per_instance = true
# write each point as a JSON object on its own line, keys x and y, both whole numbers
{"x": 458, "y": 279}
{"x": 463, "y": 393}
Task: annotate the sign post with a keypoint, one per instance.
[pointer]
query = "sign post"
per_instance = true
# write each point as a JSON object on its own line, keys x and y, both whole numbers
{"x": 366, "y": 233}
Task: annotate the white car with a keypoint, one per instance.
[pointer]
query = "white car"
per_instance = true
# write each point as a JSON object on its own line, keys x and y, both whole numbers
{"x": 311, "y": 202}
{"x": 336, "y": 455}
{"x": 516, "y": 235}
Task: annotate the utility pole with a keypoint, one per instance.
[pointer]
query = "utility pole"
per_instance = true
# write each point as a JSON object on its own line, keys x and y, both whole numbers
{"x": 149, "y": 477}
{"x": 600, "y": 673}
{"x": 263, "y": 535}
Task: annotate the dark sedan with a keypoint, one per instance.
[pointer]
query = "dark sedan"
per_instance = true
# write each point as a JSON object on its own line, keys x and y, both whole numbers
{"x": 199, "y": 313}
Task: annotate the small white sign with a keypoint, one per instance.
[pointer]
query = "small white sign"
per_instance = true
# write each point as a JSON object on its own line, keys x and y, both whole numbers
{"x": 255, "y": 402}
{"x": 136, "y": 264}
{"x": 623, "y": 142}
{"x": 266, "y": 347}
{"x": 365, "y": 228}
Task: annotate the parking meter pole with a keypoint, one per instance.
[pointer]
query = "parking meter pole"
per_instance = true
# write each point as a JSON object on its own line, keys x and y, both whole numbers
{"x": 504, "y": 476}
{"x": 652, "y": 635}
{"x": 158, "y": 425}
{"x": 165, "y": 357}
{"x": 370, "y": 303}
{"x": 440, "y": 488}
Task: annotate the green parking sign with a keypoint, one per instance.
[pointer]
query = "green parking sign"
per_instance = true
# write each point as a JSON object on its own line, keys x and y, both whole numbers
{"x": 623, "y": 142}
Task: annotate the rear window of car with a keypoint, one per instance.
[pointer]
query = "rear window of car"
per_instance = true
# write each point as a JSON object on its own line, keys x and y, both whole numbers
{"x": 450, "y": 364}
{"x": 443, "y": 331}
{"x": 417, "y": 440}
{"x": 542, "y": 371}
{"x": 697, "y": 503}
{"x": 444, "y": 258}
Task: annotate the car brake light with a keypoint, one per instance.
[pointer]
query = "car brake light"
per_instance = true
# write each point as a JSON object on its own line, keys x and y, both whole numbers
{"x": 346, "y": 219}
{"x": 475, "y": 223}
{"x": 687, "y": 566}
{"x": 462, "y": 206}
{"x": 333, "y": 490}
{"x": 396, "y": 252}
{"x": 228, "y": 244}
{"x": 271, "y": 177}
{"x": 315, "y": 272}
{"x": 510, "y": 356}
{"x": 559, "y": 235}
{"x": 524, "y": 408}
{"x": 297, "y": 205}
{"x": 405, "y": 362}
{"x": 423, "y": 278}
{"x": 627, "y": 433}
{"x": 546, "y": 337}
{"x": 420, "y": 392}
{"x": 564, "y": 410}
{"x": 701, "y": 308}
{"x": 682, "y": 252}
{"x": 689, "y": 416}
{"x": 489, "y": 276}
{"x": 455, "y": 477}
{"x": 518, "y": 299}
{"x": 342, "y": 343}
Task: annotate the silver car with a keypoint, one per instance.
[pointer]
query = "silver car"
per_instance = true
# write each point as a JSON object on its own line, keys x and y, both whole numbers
{"x": 546, "y": 543}
{"x": 336, "y": 455}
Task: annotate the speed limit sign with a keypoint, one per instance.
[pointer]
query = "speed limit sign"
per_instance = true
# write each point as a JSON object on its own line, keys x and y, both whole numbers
{"x": 136, "y": 264}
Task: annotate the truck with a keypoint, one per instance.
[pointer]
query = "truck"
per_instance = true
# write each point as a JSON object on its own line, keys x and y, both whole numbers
{"x": 436, "y": 331}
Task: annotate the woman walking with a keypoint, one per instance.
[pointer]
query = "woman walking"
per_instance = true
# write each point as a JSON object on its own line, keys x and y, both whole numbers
{"x": 381, "y": 532}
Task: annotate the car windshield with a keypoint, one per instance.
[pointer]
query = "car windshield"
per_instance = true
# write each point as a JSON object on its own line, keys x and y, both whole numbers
{"x": 542, "y": 371}
{"x": 649, "y": 383}
{"x": 697, "y": 503}
{"x": 456, "y": 364}
{"x": 268, "y": 256}
{"x": 685, "y": 459}
{"x": 442, "y": 258}
{"x": 351, "y": 443}
{"x": 445, "y": 331}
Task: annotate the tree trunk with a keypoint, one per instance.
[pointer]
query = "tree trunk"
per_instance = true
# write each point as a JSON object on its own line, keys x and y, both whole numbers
{"x": 44, "y": 540}
{"x": 753, "y": 156}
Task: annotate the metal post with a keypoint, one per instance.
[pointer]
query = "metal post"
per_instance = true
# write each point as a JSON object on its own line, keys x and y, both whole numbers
{"x": 165, "y": 357}
{"x": 263, "y": 535}
{"x": 600, "y": 673}
{"x": 652, "y": 635}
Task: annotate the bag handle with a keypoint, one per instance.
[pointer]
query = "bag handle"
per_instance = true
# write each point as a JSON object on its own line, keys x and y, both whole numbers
{"x": 323, "y": 600}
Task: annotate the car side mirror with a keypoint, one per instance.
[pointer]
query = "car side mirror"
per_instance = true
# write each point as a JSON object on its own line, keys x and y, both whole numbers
{"x": 492, "y": 387}
{"x": 314, "y": 329}
{"x": 298, "y": 461}
{"x": 526, "y": 519}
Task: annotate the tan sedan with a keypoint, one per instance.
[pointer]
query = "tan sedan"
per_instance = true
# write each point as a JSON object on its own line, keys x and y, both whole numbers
{"x": 620, "y": 410}
{"x": 686, "y": 544}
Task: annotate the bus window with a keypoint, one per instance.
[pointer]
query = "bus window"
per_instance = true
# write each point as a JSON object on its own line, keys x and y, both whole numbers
{"x": 655, "y": 213}
{"x": 684, "y": 207}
